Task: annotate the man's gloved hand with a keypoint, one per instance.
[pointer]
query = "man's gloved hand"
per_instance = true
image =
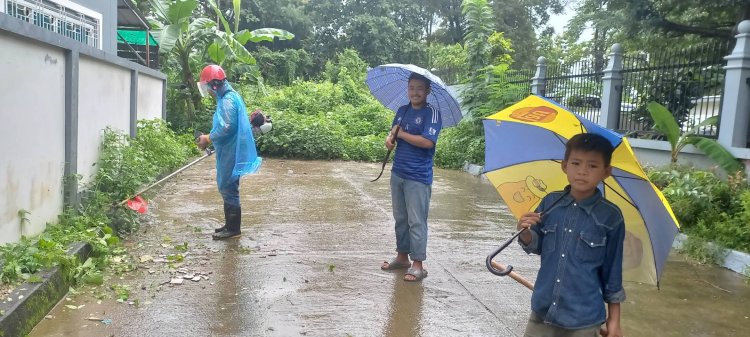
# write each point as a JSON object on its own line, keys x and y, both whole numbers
{"x": 203, "y": 142}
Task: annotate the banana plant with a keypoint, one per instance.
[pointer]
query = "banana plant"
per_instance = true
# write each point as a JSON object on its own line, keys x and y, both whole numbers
{"x": 665, "y": 123}
{"x": 186, "y": 39}
{"x": 228, "y": 46}
{"x": 180, "y": 36}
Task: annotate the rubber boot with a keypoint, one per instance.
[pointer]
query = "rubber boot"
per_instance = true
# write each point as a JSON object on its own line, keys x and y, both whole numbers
{"x": 234, "y": 221}
{"x": 226, "y": 218}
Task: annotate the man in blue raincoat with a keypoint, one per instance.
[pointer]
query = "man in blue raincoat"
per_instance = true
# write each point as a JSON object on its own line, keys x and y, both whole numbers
{"x": 232, "y": 138}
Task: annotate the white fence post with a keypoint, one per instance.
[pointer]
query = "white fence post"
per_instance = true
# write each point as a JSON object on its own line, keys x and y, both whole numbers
{"x": 539, "y": 81}
{"x": 612, "y": 90}
{"x": 735, "y": 110}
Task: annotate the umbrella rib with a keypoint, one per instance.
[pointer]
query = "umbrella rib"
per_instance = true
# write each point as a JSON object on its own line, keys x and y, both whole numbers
{"x": 621, "y": 196}
{"x": 524, "y": 162}
{"x": 383, "y": 87}
{"x": 626, "y": 177}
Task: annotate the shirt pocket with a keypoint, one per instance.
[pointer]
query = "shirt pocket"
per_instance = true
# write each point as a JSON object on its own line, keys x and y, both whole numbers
{"x": 548, "y": 241}
{"x": 591, "y": 246}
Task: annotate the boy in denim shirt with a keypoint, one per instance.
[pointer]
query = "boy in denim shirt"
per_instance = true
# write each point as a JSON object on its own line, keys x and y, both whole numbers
{"x": 579, "y": 236}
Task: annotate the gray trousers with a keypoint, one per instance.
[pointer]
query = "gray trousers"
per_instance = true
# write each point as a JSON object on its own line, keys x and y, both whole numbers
{"x": 537, "y": 328}
{"x": 411, "y": 203}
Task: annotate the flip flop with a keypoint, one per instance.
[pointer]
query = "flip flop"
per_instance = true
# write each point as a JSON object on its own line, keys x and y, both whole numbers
{"x": 418, "y": 274}
{"x": 393, "y": 265}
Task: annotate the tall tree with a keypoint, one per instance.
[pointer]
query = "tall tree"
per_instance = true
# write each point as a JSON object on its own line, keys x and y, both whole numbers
{"x": 185, "y": 40}
{"x": 479, "y": 18}
{"x": 288, "y": 15}
{"x": 453, "y": 20}
{"x": 704, "y": 18}
{"x": 380, "y": 30}
{"x": 515, "y": 19}
{"x": 522, "y": 21}
{"x": 606, "y": 27}
{"x": 656, "y": 25}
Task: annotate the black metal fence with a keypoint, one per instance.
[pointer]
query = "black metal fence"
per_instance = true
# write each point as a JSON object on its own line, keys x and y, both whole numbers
{"x": 689, "y": 83}
{"x": 577, "y": 86}
{"x": 519, "y": 81}
{"x": 140, "y": 54}
{"x": 451, "y": 76}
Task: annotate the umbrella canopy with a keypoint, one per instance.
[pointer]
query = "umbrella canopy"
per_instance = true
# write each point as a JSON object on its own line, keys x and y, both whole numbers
{"x": 525, "y": 145}
{"x": 388, "y": 83}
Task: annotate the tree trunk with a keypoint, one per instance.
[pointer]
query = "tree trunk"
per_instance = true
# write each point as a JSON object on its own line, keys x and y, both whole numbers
{"x": 194, "y": 103}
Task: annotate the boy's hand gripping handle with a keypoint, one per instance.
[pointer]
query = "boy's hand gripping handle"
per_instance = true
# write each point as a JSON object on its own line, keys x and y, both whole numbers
{"x": 388, "y": 154}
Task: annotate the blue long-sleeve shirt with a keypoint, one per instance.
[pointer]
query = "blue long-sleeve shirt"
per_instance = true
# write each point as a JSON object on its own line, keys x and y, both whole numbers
{"x": 581, "y": 247}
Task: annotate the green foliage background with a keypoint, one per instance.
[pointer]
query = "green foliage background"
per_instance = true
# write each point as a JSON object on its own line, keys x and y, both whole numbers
{"x": 708, "y": 206}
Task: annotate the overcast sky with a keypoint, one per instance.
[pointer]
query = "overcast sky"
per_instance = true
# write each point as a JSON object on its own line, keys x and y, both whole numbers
{"x": 561, "y": 20}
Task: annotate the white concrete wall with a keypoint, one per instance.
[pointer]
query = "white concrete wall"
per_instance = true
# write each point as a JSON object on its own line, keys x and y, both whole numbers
{"x": 33, "y": 108}
{"x": 103, "y": 100}
{"x": 32, "y": 92}
{"x": 150, "y": 96}
{"x": 656, "y": 153}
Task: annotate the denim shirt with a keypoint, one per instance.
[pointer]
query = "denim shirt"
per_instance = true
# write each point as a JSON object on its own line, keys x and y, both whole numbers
{"x": 581, "y": 245}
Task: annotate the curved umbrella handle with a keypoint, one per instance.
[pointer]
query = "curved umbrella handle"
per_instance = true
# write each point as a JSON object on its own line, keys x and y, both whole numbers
{"x": 499, "y": 272}
{"x": 518, "y": 278}
{"x": 387, "y": 155}
{"x": 505, "y": 244}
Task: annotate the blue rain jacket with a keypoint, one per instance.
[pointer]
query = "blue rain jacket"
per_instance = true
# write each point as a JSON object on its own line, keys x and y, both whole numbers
{"x": 232, "y": 138}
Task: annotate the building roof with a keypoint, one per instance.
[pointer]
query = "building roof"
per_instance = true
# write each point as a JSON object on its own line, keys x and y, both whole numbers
{"x": 128, "y": 16}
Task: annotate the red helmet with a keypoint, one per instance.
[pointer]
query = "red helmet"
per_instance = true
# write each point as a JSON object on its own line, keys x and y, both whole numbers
{"x": 212, "y": 72}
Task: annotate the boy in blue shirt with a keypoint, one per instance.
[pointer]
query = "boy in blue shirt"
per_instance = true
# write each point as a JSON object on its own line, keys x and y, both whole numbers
{"x": 579, "y": 235}
{"x": 411, "y": 176}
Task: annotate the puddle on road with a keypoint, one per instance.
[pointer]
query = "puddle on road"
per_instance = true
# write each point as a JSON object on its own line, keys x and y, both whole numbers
{"x": 404, "y": 309}
{"x": 694, "y": 300}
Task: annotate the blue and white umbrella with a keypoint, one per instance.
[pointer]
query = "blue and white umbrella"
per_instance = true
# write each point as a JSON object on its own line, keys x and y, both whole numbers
{"x": 388, "y": 83}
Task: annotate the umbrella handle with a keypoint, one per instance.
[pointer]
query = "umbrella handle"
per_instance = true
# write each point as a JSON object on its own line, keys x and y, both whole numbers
{"x": 509, "y": 269}
{"x": 387, "y": 154}
{"x": 505, "y": 244}
{"x": 518, "y": 278}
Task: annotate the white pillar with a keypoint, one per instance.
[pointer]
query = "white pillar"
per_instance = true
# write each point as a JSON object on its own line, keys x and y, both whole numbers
{"x": 539, "y": 81}
{"x": 735, "y": 110}
{"x": 612, "y": 90}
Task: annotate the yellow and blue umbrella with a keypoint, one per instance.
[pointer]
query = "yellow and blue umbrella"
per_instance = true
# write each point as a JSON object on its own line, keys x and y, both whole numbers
{"x": 525, "y": 145}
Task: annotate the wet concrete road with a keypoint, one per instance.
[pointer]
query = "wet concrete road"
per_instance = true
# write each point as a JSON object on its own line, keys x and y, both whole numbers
{"x": 314, "y": 235}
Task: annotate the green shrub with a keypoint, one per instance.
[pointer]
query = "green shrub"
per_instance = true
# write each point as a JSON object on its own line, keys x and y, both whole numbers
{"x": 458, "y": 145}
{"x": 695, "y": 194}
{"x": 707, "y": 207}
{"x": 127, "y": 164}
{"x": 307, "y": 98}
{"x": 370, "y": 118}
{"x": 365, "y": 148}
{"x": 730, "y": 230}
{"x": 283, "y": 67}
{"x": 304, "y": 137}
{"x": 124, "y": 165}
{"x": 700, "y": 249}
{"x": 325, "y": 120}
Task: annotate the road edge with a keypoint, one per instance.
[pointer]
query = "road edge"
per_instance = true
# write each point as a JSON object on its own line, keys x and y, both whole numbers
{"x": 32, "y": 301}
